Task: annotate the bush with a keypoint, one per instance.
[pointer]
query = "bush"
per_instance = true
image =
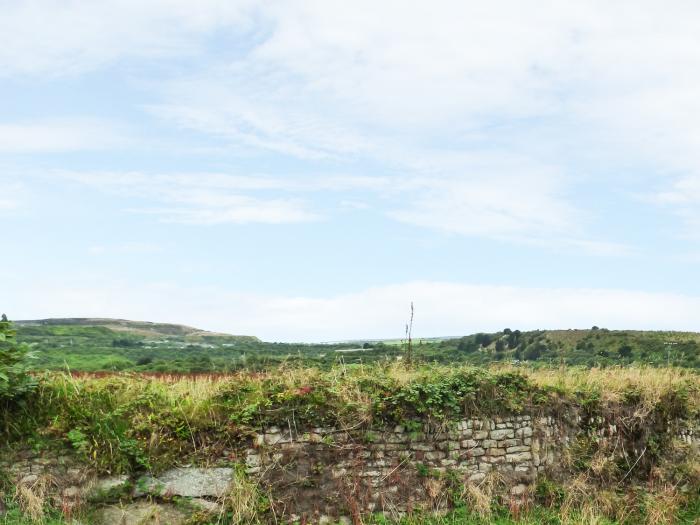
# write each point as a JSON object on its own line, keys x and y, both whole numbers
{"x": 14, "y": 371}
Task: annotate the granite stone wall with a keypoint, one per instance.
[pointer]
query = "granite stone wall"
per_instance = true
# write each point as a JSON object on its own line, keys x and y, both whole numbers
{"x": 328, "y": 472}
{"x": 324, "y": 475}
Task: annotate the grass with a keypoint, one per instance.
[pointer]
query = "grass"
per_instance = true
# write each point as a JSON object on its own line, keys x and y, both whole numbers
{"x": 94, "y": 345}
{"x": 124, "y": 422}
{"x": 130, "y": 422}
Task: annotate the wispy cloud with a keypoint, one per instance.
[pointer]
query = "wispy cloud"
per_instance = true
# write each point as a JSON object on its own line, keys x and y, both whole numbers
{"x": 127, "y": 248}
{"x": 59, "y": 38}
{"x": 239, "y": 210}
{"x": 11, "y": 196}
{"x": 59, "y": 135}
{"x": 442, "y": 308}
{"x": 681, "y": 197}
{"x": 199, "y": 199}
{"x": 527, "y": 208}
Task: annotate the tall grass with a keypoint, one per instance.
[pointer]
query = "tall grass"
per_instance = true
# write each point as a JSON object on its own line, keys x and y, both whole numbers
{"x": 127, "y": 422}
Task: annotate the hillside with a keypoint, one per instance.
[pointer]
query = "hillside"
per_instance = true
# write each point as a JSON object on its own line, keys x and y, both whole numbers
{"x": 95, "y": 344}
{"x": 111, "y": 344}
{"x": 592, "y": 347}
{"x": 142, "y": 328}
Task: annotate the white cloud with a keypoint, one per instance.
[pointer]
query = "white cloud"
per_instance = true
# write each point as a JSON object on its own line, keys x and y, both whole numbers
{"x": 684, "y": 191}
{"x": 412, "y": 87}
{"x": 11, "y": 195}
{"x": 238, "y": 210}
{"x": 201, "y": 199}
{"x": 126, "y": 248}
{"x": 59, "y": 135}
{"x": 417, "y": 86}
{"x": 682, "y": 198}
{"x": 496, "y": 206}
{"x": 529, "y": 207}
{"x": 56, "y": 38}
{"x": 442, "y": 308}
{"x": 259, "y": 124}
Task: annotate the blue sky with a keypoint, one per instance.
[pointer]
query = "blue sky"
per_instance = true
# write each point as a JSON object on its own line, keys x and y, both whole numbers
{"x": 304, "y": 170}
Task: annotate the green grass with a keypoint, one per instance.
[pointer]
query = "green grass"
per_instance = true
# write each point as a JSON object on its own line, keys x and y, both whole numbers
{"x": 169, "y": 348}
{"x": 130, "y": 423}
{"x": 112, "y": 420}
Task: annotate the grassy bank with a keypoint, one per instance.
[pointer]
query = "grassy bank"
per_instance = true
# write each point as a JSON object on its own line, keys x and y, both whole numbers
{"x": 132, "y": 422}
{"x": 128, "y": 421}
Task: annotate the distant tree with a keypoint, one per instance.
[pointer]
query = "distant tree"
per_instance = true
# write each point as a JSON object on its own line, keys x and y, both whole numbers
{"x": 367, "y": 345}
{"x": 513, "y": 339}
{"x": 507, "y": 331}
{"x": 14, "y": 369}
{"x": 534, "y": 352}
{"x": 500, "y": 346}
{"x": 625, "y": 351}
{"x": 467, "y": 345}
{"x": 483, "y": 340}
{"x": 594, "y": 328}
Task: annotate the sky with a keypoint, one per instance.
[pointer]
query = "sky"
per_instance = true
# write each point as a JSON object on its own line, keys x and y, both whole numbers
{"x": 304, "y": 170}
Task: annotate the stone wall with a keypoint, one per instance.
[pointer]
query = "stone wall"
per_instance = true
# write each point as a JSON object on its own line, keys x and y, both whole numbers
{"x": 398, "y": 470}
{"x": 326, "y": 472}
{"x": 323, "y": 474}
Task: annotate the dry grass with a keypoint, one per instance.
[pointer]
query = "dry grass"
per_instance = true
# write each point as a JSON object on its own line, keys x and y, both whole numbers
{"x": 32, "y": 497}
{"x": 242, "y": 501}
{"x": 480, "y": 496}
{"x": 613, "y": 382}
{"x": 662, "y": 506}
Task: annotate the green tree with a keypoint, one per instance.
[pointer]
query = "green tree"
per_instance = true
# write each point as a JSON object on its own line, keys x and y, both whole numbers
{"x": 625, "y": 351}
{"x": 14, "y": 369}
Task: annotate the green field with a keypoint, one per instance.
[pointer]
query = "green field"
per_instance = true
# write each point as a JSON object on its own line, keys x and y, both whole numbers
{"x": 108, "y": 345}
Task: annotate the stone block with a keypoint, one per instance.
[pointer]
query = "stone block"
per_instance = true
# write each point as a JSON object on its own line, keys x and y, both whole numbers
{"x": 477, "y": 477}
{"x": 505, "y": 433}
{"x": 519, "y": 457}
{"x": 524, "y": 432}
{"x": 190, "y": 482}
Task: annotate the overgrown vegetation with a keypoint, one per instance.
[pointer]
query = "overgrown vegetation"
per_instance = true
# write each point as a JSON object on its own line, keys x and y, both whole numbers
{"x": 126, "y": 422}
{"x": 15, "y": 380}
{"x": 575, "y": 503}
{"x": 110, "y": 346}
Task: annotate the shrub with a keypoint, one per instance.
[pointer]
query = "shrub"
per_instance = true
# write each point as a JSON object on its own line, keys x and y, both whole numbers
{"x": 14, "y": 376}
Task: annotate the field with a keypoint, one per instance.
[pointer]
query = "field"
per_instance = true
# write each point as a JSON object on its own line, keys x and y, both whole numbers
{"x": 107, "y": 345}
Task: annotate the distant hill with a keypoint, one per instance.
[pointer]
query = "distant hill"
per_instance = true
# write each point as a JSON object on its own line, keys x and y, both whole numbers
{"x": 97, "y": 344}
{"x": 591, "y": 347}
{"x": 93, "y": 344}
{"x": 142, "y": 328}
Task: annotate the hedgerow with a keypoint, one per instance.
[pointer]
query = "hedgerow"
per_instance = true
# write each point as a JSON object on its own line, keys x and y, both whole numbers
{"x": 132, "y": 422}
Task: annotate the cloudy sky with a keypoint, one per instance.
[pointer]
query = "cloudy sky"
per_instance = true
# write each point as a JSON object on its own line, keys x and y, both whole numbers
{"x": 303, "y": 170}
